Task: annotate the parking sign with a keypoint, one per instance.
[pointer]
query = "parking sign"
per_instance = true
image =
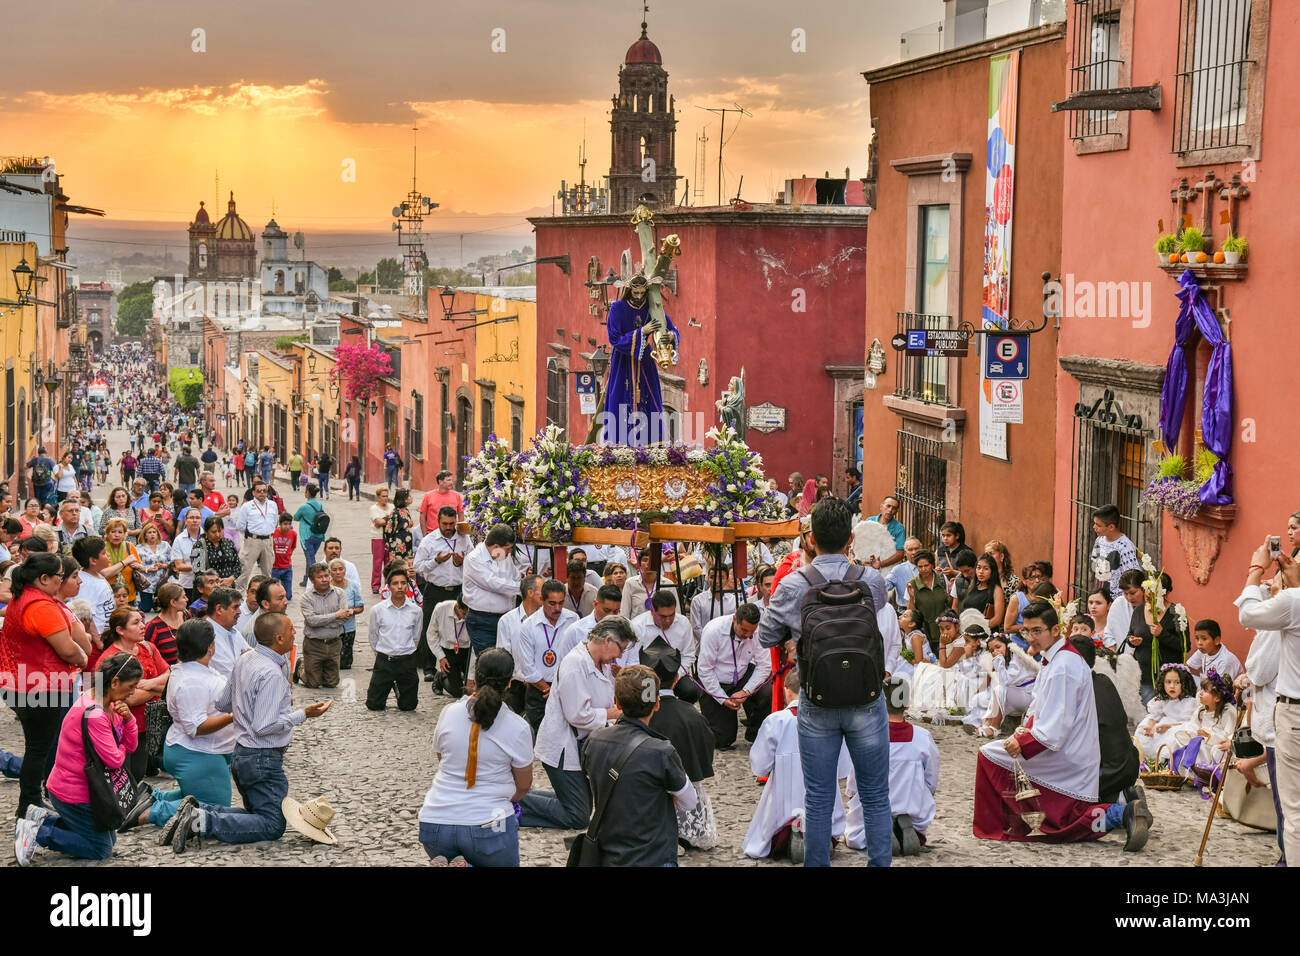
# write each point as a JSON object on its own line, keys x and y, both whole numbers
{"x": 1006, "y": 356}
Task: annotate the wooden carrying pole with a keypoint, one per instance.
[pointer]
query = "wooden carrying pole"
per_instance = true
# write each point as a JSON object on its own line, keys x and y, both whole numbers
{"x": 1218, "y": 790}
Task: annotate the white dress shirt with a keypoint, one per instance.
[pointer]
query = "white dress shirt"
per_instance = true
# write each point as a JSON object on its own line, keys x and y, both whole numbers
{"x": 508, "y": 631}
{"x": 227, "y": 646}
{"x": 721, "y": 605}
{"x": 446, "y": 630}
{"x": 489, "y": 586}
{"x": 181, "y": 549}
{"x": 254, "y": 517}
{"x": 576, "y": 633}
{"x": 724, "y": 658}
{"x": 444, "y": 574}
{"x": 540, "y": 643}
{"x": 1256, "y": 610}
{"x": 579, "y": 703}
{"x": 679, "y": 636}
{"x": 192, "y": 692}
{"x": 395, "y": 630}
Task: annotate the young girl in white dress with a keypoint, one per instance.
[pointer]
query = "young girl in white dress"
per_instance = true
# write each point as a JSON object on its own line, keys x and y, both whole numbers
{"x": 1214, "y": 721}
{"x": 915, "y": 643}
{"x": 1014, "y": 673}
{"x": 1173, "y": 706}
{"x": 972, "y": 691}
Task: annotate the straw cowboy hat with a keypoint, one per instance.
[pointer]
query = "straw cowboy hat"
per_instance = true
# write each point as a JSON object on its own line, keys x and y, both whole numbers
{"x": 311, "y": 818}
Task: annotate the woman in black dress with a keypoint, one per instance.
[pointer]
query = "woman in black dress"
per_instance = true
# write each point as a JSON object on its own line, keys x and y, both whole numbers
{"x": 985, "y": 593}
{"x": 1145, "y": 635}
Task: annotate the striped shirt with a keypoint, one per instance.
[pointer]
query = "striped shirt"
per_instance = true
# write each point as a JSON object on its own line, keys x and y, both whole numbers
{"x": 260, "y": 699}
{"x": 150, "y": 465}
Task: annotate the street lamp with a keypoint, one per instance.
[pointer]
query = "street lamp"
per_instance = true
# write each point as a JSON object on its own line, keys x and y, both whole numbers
{"x": 373, "y": 407}
{"x": 311, "y": 363}
{"x": 599, "y": 361}
{"x": 334, "y": 389}
{"x": 24, "y": 280}
{"x": 448, "y": 297}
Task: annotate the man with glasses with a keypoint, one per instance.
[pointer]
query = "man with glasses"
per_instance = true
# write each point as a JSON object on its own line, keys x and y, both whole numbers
{"x": 258, "y": 520}
{"x": 1058, "y": 749}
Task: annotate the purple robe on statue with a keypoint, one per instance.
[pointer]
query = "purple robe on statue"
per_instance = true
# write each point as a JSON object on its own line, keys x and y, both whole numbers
{"x": 625, "y": 338}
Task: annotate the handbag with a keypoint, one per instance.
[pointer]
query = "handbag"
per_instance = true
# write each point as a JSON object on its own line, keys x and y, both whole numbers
{"x": 157, "y": 721}
{"x": 113, "y": 793}
{"x": 1251, "y": 806}
{"x": 586, "y": 848}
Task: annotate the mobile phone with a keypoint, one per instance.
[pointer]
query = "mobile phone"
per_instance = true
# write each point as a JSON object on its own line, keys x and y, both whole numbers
{"x": 1275, "y": 546}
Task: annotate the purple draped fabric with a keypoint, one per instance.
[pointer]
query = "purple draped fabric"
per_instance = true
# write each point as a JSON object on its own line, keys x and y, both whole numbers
{"x": 1216, "y": 412}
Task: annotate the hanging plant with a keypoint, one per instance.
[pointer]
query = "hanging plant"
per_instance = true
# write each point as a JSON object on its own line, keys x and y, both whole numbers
{"x": 358, "y": 369}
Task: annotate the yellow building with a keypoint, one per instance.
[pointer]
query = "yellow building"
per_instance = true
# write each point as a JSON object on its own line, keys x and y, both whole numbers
{"x": 505, "y": 364}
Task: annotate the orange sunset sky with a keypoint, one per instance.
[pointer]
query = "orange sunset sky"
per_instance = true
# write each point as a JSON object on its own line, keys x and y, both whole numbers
{"x": 286, "y": 91}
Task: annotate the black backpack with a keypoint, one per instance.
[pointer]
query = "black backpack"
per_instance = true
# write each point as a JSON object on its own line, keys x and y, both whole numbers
{"x": 841, "y": 652}
{"x": 321, "y": 523}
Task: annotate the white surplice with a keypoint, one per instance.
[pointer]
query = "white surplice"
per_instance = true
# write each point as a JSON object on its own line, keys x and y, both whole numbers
{"x": 913, "y": 779}
{"x": 775, "y": 754}
{"x": 1064, "y": 720}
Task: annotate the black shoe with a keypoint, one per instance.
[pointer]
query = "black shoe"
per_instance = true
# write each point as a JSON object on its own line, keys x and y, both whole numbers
{"x": 909, "y": 843}
{"x": 430, "y": 677}
{"x": 1137, "y": 820}
{"x": 144, "y": 800}
{"x": 168, "y": 830}
{"x": 187, "y": 832}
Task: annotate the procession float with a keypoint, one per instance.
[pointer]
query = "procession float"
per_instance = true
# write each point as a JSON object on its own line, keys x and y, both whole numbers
{"x": 625, "y": 486}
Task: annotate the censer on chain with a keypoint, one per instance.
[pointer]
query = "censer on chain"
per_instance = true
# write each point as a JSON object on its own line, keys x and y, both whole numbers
{"x": 1026, "y": 791}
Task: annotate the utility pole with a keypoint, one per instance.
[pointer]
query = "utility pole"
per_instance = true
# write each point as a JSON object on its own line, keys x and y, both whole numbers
{"x": 723, "y": 111}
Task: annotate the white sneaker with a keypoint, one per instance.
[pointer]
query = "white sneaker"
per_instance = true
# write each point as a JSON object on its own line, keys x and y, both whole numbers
{"x": 35, "y": 814}
{"x": 24, "y": 842}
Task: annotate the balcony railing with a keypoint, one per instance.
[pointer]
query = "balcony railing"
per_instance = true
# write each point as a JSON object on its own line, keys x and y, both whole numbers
{"x": 923, "y": 378}
{"x": 66, "y": 312}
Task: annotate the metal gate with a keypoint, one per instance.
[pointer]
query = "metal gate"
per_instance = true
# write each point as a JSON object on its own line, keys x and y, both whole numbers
{"x": 922, "y": 487}
{"x": 1108, "y": 467}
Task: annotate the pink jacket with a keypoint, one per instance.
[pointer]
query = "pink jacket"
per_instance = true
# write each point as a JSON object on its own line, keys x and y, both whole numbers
{"x": 68, "y": 778}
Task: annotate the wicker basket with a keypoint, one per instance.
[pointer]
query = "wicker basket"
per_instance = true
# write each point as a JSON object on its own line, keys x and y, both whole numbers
{"x": 1159, "y": 779}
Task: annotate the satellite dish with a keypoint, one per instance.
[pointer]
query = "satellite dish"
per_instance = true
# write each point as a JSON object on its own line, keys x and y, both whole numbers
{"x": 397, "y": 212}
{"x": 299, "y": 240}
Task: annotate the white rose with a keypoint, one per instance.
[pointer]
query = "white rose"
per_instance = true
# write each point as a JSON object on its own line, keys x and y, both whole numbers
{"x": 731, "y": 488}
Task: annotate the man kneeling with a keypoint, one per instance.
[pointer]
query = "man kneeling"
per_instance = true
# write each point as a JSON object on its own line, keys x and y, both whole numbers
{"x": 1058, "y": 749}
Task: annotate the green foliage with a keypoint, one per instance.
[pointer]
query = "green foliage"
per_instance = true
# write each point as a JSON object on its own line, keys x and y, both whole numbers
{"x": 390, "y": 275}
{"x": 343, "y": 285}
{"x": 1173, "y": 466}
{"x": 285, "y": 342}
{"x": 1166, "y": 244}
{"x": 187, "y": 390}
{"x": 1235, "y": 244}
{"x": 334, "y": 274}
{"x": 134, "y": 309}
{"x": 1193, "y": 240}
{"x": 1203, "y": 469}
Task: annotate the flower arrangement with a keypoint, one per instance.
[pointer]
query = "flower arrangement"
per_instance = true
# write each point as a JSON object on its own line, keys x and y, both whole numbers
{"x": 557, "y": 498}
{"x": 1154, "y": 589}
{"x": 492, "y": 494}
{"x": 739, "y": 492}
{"x": 1172, "y": 491}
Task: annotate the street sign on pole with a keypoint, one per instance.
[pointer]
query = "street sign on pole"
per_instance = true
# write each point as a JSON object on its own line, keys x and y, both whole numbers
{"x": 585, "y": 384}
{"x": 1006, "y": 356}
{"x": 1008, "y": 402}
{"x": 946, "y": 343}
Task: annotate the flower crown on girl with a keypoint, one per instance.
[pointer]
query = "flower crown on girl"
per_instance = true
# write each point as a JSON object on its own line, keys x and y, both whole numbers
{"x": 1221, "y": 685}
{"x": 1176, "y": 667}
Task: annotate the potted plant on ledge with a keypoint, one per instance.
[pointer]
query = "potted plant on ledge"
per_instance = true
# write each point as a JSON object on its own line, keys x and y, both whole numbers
{"x": 1166, "y": 249}
{"x": 1192, "y": 245}
{"x": 1234, "y": 248}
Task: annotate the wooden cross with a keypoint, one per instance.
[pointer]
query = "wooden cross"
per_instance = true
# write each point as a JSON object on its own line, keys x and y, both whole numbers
{"x": 1181, "y": 197}
{"x": 1233, "y": 193}
{"x": 1207, "y": 188}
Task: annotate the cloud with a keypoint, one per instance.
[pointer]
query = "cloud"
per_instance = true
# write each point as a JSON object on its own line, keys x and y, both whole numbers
{"x": 296, "y": 100}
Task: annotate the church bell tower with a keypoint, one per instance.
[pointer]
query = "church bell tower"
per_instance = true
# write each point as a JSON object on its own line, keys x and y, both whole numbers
{"x": 643, "y": 130}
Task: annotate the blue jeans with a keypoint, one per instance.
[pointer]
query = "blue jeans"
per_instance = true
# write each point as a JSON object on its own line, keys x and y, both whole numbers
{"x": 390, "y": 476}
{"x": 1270, "y": 757}
{"x": 822, "y": 733}
{"x": 186, "y": 488}
{"x": 146, "y": 600}
{"x": 568, "y": 808}
{"x": 1146, "y": 692}
{"x": 494, "y": 845}
{"x": 285, "y": 577}
{"x": 206, "y": 777}
{"x": 11, "y": 765}
{"x": 482, "y": 627}
{"x": 71, "y": 829}
{"x": 259, "y": 774}
{"x": 324, "y": 480}
{"x": 310, "y": 545}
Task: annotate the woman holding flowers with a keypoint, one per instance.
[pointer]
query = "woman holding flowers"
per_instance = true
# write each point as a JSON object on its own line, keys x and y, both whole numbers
{"x": 1157, "y": 632}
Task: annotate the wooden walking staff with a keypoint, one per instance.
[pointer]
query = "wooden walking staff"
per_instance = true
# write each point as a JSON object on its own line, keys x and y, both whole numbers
{"x": 1218, "y": 790}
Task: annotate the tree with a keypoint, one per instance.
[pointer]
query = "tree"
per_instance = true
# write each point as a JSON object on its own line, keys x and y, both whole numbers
{"x": 188, "y": 390}
{"x": 134, "y": 309}
{"x": 343, "y": 285}
{"x": 334, "y": 274}
{"x": 390, "y": 275}
{"x": 358, "y": 368}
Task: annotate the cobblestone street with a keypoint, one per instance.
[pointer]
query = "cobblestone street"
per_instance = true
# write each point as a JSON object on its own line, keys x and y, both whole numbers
{"x": 375, "y": 768}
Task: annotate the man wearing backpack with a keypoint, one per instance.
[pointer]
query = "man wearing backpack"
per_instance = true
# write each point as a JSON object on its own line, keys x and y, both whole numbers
{"x": 42, "y": 467}
{"x": 313, "y": 524}
{"x": 825, "y": 613}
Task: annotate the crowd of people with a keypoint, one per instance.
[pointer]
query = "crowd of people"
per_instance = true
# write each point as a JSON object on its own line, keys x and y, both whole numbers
{"x": 146, "y": 632}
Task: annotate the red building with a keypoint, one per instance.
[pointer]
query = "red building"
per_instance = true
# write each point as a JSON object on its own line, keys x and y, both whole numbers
{"x": 926, "y": 270}
{"x": 772, "y": 289}
{"x": 1187, "y": 141}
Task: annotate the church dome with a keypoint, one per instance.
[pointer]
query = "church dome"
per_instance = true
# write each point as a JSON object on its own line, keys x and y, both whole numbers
{"x": 231, "y": 226}
{"x": 643, "y": 51}
{"x": 201, "y": 217}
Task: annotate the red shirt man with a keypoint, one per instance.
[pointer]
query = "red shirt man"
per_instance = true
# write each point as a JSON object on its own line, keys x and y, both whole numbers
{"x": 284, "y": 542}
{"x": 433, "y": 500}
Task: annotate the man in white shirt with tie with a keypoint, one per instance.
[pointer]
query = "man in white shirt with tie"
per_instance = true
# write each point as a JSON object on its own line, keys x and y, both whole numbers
{"x": 450, "y": 646}
{"x": 538, "y": 648}
{"x": 530, "y": 593}
{"x": 394, "y": 631}
{"x": 608, "y": 600}
{"x": 662, "y": 620}
{"x": 490, "y": 582}
{"x": 257, "y": 520}
{"x": 734, "y": 670}
{"x": 439, "y": 561}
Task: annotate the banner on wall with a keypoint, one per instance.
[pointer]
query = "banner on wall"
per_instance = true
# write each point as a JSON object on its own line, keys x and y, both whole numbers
{"x": 999, "y": 203}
